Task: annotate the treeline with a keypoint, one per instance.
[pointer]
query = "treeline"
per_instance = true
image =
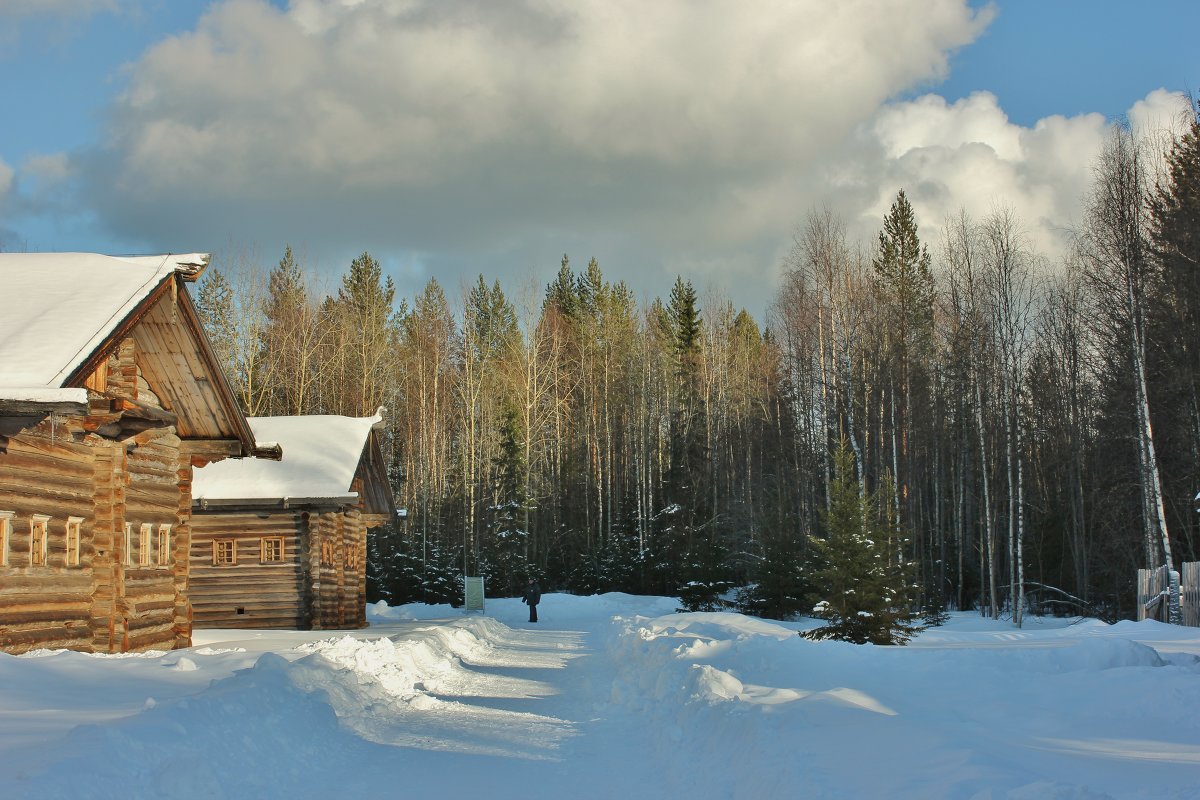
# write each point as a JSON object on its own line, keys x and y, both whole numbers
{"x": 1033, "y": 427}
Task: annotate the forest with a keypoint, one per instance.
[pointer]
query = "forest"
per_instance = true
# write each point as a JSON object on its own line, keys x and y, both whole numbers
{"x": 1023, "y": 432}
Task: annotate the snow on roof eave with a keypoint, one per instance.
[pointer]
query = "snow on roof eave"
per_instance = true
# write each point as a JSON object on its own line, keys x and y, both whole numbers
{"x": 43, "y": 400}
{"x": 275, "y": 502}
{"x": 188, "y": 266}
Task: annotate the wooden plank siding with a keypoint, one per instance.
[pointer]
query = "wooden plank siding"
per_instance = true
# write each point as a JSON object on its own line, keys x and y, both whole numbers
{"x": 320, "y": 584}
{"x": 249, "y": 593}
{"x": 1190, "y": 588}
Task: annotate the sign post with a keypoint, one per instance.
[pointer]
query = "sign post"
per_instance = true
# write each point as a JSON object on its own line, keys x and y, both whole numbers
{"x": 473, "y": 593}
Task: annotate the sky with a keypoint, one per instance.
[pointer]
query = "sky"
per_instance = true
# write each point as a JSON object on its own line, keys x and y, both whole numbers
{"x": 451, "y": 138}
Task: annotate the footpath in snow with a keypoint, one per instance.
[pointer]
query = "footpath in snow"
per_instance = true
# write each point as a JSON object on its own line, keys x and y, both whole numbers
{"x": 612, "y": 696}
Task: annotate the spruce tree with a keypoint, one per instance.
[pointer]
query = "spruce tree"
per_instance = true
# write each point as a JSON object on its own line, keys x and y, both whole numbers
{"x": 215, "y": 306}
{"x": 506, "y": 548}
{"x": 865, "y": 590}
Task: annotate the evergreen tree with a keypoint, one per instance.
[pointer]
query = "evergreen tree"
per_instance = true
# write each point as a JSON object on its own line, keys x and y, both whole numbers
{"x": 290, "y": 340}
{"x": 365, "y": 346}
{"x": 1173, "y": 311}
{"x": 904, "y": 280}
{"x": 865, "y": 590}
{"x": 214, "y": 304}
{"x": 562, "y": 294}
{"x": 689, "y": 537}
{"x": 779, "y": 584}
{"x": 506, "y": 548}
{"x": 619, "y": 560}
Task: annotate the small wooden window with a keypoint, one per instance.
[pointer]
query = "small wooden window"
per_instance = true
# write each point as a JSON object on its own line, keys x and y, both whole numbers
{"x": 272, "y": 549}
{"x": 6, "y": 518}
{"x": 328, "y": 552}
{"x": 354, "y": 558}
{"x": 164, "y": 545}
{"x": 39, "y": 529}
{"x": 224, "y": 552}
{"x": 74, "y": 530}
{"x": 128, "y": 555}
{"x": 144, "y": 544}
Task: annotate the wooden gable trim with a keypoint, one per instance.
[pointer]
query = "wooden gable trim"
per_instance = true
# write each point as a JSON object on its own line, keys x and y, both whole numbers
{"x": 182, "y": 303}
{"x": 228, "y": 401}
{"x": 374, "y": 479}
{"x": 80, "y": 376}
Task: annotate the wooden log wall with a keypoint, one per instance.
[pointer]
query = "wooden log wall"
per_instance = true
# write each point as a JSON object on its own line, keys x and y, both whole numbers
{"x": 327, "y": 577}
{"x": 108, "y": 627}
{"x": 319, "y": 585}
{"x": 181, "y": 552}
{"x": 354, "y": 577}
{"x": 339, "y": 588}
{"x": 248, "y": 594}
{"x": 152, "y": 496}
{"x": 89, "y": 468}
{"x": 46, "y": 606}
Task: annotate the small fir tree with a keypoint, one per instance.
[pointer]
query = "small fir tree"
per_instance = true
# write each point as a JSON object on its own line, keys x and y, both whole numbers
{"x": 506, "y": 549}
{"x": 866, "y": 589}
{"x": 779, "y": 584}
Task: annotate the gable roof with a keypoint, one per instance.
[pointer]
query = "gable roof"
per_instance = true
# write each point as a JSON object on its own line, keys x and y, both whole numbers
{"x": 321, "y": 456}
{"x": 66, "y": 305}
{"x": 71, "y": 309}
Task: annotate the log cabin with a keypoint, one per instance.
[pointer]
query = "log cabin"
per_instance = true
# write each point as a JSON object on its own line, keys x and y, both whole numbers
{"x": 283, "y": 544}
{"x": 110, "y": 394}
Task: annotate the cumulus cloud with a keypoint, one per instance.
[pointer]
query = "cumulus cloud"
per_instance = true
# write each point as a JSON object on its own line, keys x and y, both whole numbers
{"x": 458, "y": 137}
{"x": 969, "y": 155}
{"x": 615, "y": 127}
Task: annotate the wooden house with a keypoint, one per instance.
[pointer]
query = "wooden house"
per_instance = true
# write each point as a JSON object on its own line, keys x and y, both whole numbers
{"x": 109, "y": 395}
{"x": 283, "y": 544}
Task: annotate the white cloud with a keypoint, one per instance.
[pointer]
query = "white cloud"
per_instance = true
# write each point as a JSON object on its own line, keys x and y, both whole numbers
{"x": 6, "y": 180}
{"x": 663, "y": 131}
{"x": 969, "y": 155}
{"x": 674, "y": 136}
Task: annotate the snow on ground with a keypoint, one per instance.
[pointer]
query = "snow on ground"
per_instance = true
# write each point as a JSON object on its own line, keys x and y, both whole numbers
{"x": 613, "y": 696}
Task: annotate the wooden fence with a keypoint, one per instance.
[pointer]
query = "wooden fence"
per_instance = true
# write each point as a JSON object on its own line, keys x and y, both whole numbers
{"x": 1152, "y": 594}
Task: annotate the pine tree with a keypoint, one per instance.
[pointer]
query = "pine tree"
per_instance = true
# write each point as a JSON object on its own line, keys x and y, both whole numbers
{"x": 779, "y": 583}
{"x": 291, "y": 338}
{"x": 506, "y": 549}
{"x": 367, "y": 334}
{"x": 214, "y": 304}
{"x": 865, "y": 590}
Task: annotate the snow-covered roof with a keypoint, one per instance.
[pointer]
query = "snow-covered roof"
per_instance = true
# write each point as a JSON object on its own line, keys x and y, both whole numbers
{"x": 320, "y": 456}
{"x": 62, "y": 306}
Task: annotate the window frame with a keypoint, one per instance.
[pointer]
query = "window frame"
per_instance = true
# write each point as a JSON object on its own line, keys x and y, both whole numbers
{"x": 144, "y": 544}
{"x": 218, "y": 556}
{"x": 72, "y": 540}
{"x": 127, "y": 558}
{"x": 39, "y": 546}
{"x": 164, "y": 545}
{"x": 277, "y": 549}
{"x": 6, "y": 528}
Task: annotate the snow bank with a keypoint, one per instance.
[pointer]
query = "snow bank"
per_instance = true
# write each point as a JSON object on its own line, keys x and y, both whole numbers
{"x": 613, "y": 696}
{"x": 819, "y": 712}
{"x": 225, "y": 742}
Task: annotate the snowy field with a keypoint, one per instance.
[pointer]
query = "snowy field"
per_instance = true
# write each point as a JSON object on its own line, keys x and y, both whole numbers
{"x": 612, "y": 697}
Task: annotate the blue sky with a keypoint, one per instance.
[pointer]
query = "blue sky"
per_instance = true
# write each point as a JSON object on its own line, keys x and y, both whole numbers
{"x": 464, "y": 137}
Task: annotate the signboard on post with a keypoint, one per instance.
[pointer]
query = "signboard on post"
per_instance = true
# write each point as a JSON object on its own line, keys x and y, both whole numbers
{"x": 473, "y": 593}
